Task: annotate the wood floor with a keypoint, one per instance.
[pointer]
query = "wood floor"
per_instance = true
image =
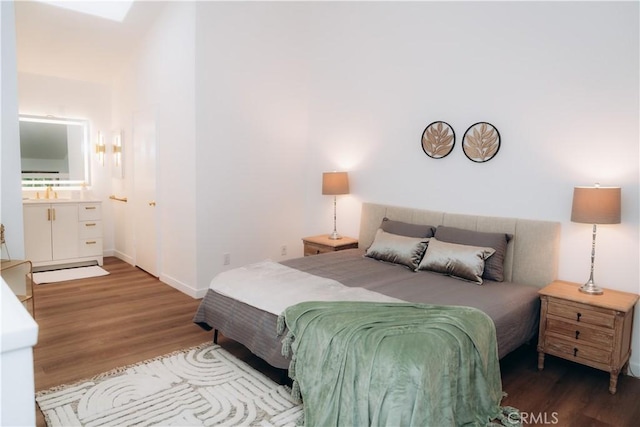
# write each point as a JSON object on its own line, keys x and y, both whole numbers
{"x": 93, "y": 325}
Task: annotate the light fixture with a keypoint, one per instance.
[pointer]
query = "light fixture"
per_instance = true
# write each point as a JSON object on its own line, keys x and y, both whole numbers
{"x": 595, "y": 205}
{"x": 333, "y": 184}
{"x": 117, "y": 149}
{"x": 100, "y": 148}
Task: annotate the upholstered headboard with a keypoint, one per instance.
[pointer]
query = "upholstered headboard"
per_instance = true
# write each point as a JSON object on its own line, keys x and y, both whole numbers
{"x": 532, "y": 253}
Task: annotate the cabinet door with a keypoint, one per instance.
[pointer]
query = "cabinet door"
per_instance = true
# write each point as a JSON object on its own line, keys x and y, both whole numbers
{"x": 37, "y": 232}
{"x": 64, "y": 231}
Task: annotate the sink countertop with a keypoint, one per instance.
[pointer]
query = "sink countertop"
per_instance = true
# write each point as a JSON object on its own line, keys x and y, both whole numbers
{"x": 28, "y": 201}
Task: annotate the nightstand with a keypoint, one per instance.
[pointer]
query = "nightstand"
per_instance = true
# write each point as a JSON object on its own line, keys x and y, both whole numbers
{"x": 322, "y": 244}
{"x": 594, "y": 330}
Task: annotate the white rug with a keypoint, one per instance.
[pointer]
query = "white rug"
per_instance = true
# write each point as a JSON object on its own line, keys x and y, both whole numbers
{"x": 68, "y": 274}
{"x": 202, "y": 386}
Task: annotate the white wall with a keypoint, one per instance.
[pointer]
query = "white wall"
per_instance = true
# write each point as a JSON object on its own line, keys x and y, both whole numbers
{"x": 358, "y": 82}
{"x": 11, "y": 195}
{"x": 19, "y": 332}
{"x": 251, "y": 110}
{"x": 161, "y": 77}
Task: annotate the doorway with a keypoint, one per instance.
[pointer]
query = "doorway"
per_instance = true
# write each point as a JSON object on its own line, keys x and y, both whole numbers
{"x": 144, "y": 207}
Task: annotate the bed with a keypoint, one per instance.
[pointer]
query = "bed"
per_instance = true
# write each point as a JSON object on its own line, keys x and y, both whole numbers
{"x": 529, "y": 262}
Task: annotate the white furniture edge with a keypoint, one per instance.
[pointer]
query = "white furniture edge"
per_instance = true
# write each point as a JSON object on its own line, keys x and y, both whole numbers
{"x": 17, "y": 386}
{"x": 56, "y": 201}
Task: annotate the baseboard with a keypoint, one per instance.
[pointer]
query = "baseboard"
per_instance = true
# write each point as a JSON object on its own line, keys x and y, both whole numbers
{"x": 124, "y": 257}
{"x": 634, "y": 369}
{"x": 64, "y": 266}
{"x": 186, "y": 289}
{"x": 178, "y": 285}
{"x": 66, "y": 263}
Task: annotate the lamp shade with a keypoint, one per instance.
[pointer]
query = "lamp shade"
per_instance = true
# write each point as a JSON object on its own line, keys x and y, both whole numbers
{"x": 596, "y": 205}
{"x": 334, "y": 183}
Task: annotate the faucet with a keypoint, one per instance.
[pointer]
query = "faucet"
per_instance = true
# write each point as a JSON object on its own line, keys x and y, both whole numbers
{"x": 48, "y": 193}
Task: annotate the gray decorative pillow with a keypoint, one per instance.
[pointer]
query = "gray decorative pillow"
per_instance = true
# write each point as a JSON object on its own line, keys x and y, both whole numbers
{"x": 494, "y": 267}
{"x": 397, "y": 249}
{"x": 407, "y": 229}
{"x": 461, "y": 261}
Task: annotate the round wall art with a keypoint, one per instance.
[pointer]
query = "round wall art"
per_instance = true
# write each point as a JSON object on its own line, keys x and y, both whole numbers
{"x": 438, "y": 140}
{"x": 481, "y": 142}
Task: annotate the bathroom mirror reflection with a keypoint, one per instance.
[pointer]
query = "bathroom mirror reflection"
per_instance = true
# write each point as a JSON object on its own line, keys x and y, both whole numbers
{"x": 54, "y": 152}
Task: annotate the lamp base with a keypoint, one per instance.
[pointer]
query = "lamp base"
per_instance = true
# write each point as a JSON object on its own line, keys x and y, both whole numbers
{"x": 335, "y": 236}
{"x": 591, "y": 289}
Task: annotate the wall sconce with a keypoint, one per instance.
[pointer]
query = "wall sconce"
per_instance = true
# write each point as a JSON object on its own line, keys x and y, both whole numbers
{"x": 100, "y": 148}
{"x": 117, "y": 149}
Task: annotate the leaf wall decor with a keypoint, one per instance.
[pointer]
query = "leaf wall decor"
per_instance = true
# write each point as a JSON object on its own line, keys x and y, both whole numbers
{"x": 438, "y": 140}
{"x": 481, "y": 142}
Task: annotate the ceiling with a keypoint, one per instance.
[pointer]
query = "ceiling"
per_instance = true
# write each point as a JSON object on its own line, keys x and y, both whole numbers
{"x": 63, "y": 43}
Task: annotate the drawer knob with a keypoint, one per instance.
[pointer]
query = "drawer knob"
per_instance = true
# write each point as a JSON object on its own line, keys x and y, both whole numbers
{"x": 578, "y": 315}
{"x": 575, "y": 352}
{"x": 577, "y": 333}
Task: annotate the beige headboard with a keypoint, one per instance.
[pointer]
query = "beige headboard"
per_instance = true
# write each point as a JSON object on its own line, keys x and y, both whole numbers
{"x": 532, "y": 254}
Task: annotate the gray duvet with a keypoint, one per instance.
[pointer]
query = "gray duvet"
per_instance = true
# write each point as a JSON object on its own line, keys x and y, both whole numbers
{"x": 514, "y": 308}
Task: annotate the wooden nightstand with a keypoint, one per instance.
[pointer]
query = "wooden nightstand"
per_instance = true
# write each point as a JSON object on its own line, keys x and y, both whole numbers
{"x": 594, "y": 330}
{"x": 322, "y": 244}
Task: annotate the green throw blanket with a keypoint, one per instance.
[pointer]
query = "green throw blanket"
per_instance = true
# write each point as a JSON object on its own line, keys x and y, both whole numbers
{"x": 394, "y": 364}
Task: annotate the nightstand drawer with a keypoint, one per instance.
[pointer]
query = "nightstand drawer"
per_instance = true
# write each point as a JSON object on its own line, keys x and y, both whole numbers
{"x": 581, "y": 313}
{"x": 580, "y": 333}
{"x": 311, "y": 249}
{"x": 322, "y": 244}
{"x": 575, "y": 351}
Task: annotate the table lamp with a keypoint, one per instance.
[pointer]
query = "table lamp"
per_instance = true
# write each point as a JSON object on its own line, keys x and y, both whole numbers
{"x": 333, "y": 184}
{"x": 595, "y": 205}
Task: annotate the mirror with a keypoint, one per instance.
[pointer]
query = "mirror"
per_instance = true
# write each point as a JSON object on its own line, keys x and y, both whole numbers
{"x": 54, "y": 152}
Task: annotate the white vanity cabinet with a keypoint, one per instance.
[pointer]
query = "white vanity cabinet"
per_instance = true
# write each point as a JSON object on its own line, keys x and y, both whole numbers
{"x": 61, "y": 232}
{"x": 90, "y": 230}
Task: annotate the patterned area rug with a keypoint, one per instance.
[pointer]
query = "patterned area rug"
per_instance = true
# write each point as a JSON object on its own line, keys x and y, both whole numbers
{"x": 202, "y": 386}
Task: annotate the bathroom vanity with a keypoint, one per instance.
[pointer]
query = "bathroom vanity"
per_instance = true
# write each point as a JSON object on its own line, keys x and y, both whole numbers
{"x": 61, "y": 231}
